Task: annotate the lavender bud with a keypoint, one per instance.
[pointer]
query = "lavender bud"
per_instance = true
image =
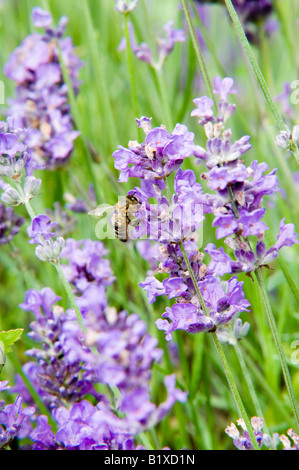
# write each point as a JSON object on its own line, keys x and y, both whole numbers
{"x": 295, "y": 135}
{"x": 11, "y": 197}
{"x": 283, "y": 140}
{"x": 2, "y": 355}
{"x": 125, "y": 6}
{"x": 49, "y": 250}
{"x": 31, "y": 187}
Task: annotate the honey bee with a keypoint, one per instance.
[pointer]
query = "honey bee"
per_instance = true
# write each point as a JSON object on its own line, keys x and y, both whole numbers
{"x": 123, "y": 215}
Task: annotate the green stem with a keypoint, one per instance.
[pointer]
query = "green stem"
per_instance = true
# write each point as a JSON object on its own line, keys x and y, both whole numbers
{"x": 131, "y": 73}
{"x": 286, "y": 271}
{"x": 228, "y": 373}
{"x": 195, "y": 283}
{"x": 77, "y": 118}
{"x": 70, "y": 295}
{"x": 145, "y": 441}
{"x": 164, "y": 98}
{"x": 288, "y": 28}
{"x": 258, "y": 73}
{"x": 99, "y": 70}
{"x": 234, "y": 390}
{"x": 198, "y": 51}
{"x": 277, "y": 400}
{"x": 249, "y": 383}
{"x": 278, "y": 344}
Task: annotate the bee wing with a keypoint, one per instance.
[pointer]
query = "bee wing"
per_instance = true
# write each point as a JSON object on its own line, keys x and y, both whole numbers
{"x": 101, "y": 210}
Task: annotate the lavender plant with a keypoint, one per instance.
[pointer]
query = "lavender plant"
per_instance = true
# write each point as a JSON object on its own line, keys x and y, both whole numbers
{"x": 41, "y": 104}
{"x": 67, "y": 369}
{"x": 99, "y": 348}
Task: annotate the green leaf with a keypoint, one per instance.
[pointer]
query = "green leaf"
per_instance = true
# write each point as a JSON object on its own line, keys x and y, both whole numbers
{"x": 7, "y": 338}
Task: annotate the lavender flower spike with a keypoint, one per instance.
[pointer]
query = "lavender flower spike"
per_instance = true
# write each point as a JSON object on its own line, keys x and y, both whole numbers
{"x": 165, "y": 45}
{"x": 10, "y": 224}
{"x": 243, "y": 442}
{"x": 238, "y": 203}
{"x": 41, "y": 105}
{"x": 158, "y": 156}
{"x": 14, "y": 420}
{"x": 125, "y": 6}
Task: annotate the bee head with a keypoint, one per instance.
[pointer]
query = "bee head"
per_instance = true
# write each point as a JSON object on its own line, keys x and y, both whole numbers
{"x": 133, "y": 199}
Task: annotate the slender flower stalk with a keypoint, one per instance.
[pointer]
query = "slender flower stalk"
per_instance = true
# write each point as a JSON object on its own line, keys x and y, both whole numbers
{"x": 164, "y": 98}
{"x": 198, "y": 51}
{"x": 234, "y": 390}
{"x": 77, "y": 118}
{"x": 277, "y": 341}
{"x": 232, "y": 385}
{"x": 252, "y": 59}
{"x": 196, "y": 287}
{"x": 99, "y": 73}
{"x": 248, "y": 380}
{"x": 70, "y": 295}
{"x": 131, "y": 70}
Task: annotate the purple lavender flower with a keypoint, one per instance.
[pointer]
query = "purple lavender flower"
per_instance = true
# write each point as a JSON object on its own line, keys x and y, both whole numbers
{"x": 41, "y": 234}
{"x": 223, "y": 302}
{"x": 68, "y": 368}
{"x": 232, "y": 333}
{"x": 165, "y": 45}
{"x": 89, "y": 427}
{"x": 10, "y": 224}
{"x": 161, "y": 154}
{"x": 125, "y": 6}
{"x": 15, "y": 158}
{"x": 14, "y": 420}
{"x": 55, "y": 378}
{"x": 238, "y": 203}
{"x": 243, "y": 441}
{"x": 138, "y": 407}
{"x": 127, "y": 353}
{"x": 41, "y": 104}
{"x": 175, "y": 220}
{"x": 287, "y": 445}
{"x": 86, "y": 264}
{"x": 41, "y": 227}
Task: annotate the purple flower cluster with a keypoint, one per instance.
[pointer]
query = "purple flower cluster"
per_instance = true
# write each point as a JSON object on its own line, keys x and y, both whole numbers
{"x": 174, "y": 220}
{"x": 41, "y": 104}
{"x": 161, "y": 153}
{"x": 84, "y": 427}
{"x": 10, "y": 224}
{"x": 80, "y": 426}
{"x": 238, "y": 203}
{"x": 165, "y": 45}
{"x": 127, "y": 351}
{"x": 287, "y": 445}
{"x": 14, "y": 420}
{"x": 223, "y": 299}
{"x": 243, "y": 441}
{"x": 115, "y": 350}
{"x": 17, "y": 182}
{"x": 40, "y": 233}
